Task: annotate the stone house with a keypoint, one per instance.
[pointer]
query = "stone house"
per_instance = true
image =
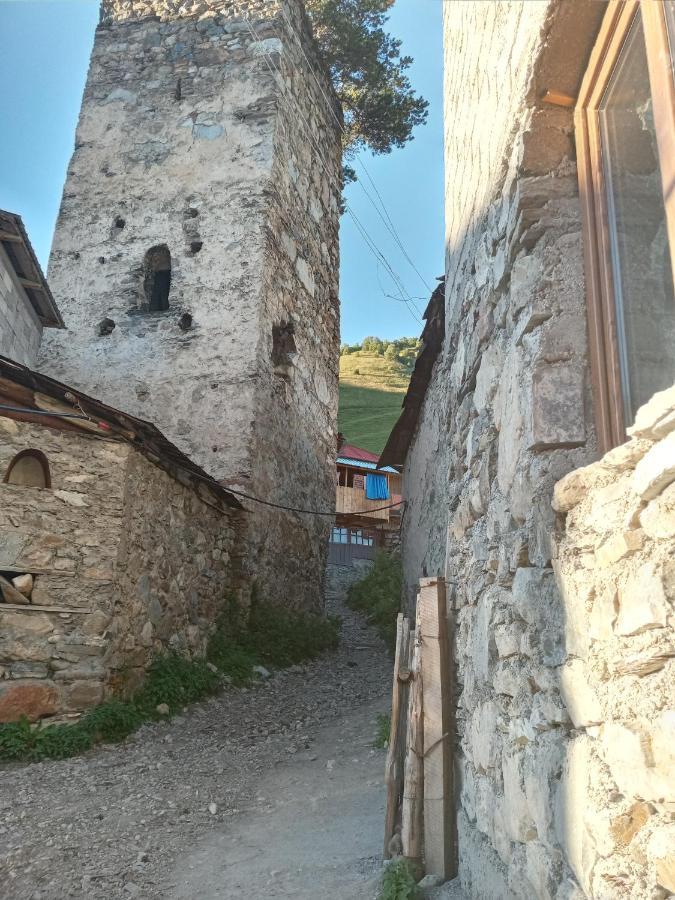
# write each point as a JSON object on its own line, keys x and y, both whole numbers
{"x": 195, "y": 257}
{"x": 26, "y": 303}
{"x": 539, "y": 461}
{"x": 113, "y": 546}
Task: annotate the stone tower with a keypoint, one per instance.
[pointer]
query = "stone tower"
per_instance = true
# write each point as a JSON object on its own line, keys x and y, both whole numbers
{"x": 195, "y": 257}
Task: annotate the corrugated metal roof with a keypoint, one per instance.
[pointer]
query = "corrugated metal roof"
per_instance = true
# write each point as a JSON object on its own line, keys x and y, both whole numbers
{"x": 362, "y": 464}
{"x": 352, "y": 452}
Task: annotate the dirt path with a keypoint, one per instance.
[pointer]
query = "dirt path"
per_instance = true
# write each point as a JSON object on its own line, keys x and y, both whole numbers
{"x": 315, "y": 831}
{"x": 229, "y": 800}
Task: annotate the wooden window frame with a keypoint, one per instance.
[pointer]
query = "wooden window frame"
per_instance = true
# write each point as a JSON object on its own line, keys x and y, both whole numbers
{"x": 602, "y": 326}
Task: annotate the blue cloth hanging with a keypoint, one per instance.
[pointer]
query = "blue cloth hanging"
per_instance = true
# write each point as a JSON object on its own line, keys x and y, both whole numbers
{"x": 377, "y": 487}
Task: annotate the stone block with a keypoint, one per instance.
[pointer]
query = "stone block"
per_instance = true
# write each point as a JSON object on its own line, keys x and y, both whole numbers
{"x": 32, "y": 699}
{"x": 626, "y": 456}
{"x": 507, "y": 639}
{"x": 483, "y": 737}
{"x": 656, "y": 418}
{"x": 618, "y": 546}
{"x": 603, "y": 614}
{"x": 575, "y": 486}
{"x": 643, "y": 604}
{"x": 582, "y": 701}
{"x": 628, "y": 824}
{"x": 642, "y": 758}
{"x": 487, "y": 378}
{"x": 536, "y": 599}
{"x": 542, "y": 869}
{"x": 83, "y": 694}
{"x": 658, "y": 517}
{"x": 557, "y": 407}
{"x": 656, "y": 470}
{"x": 519, "y": 823}
{"x": 571, "y": 804}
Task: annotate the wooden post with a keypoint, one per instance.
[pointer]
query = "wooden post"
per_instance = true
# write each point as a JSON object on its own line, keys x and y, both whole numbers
{"x": 439, "y": 827}
{"x": 412, "y": 809}
{"x": 393, "y": 772}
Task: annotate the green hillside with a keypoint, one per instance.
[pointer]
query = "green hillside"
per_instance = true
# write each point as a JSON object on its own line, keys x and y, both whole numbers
{"x": 374, "y": 377}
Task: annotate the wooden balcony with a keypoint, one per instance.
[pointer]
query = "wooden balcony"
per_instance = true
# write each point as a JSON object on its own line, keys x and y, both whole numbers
{"x": 354, "y": 501}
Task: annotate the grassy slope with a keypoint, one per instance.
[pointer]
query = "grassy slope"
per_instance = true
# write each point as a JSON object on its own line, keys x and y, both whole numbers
{"x": 371, "y": 393}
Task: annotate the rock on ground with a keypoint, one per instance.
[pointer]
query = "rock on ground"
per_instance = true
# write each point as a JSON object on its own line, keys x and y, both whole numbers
{"x": 137, "y": 819}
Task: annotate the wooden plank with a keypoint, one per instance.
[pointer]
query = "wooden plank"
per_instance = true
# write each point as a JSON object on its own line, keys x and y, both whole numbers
{"x": 393, "y": 775}
{"x": 31, "y": 607}
{"x": 412, "y": 807}
{"x": 439, "y": 844}
{"x": 28, "y": 283}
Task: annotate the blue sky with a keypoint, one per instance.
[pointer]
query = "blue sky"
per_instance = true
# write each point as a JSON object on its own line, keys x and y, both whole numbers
{"x": 44, "y": 52}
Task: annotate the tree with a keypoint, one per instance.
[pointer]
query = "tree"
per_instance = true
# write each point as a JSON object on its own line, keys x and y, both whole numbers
{"x": 379, "y": 104}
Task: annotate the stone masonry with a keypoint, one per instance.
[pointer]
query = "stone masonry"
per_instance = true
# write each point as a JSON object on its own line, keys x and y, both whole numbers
{"x": 615, "y": 570}
{"x": 20, "y": 328}
{"x": 207, "y": 165}
{"x": 127, "y": 562}
{"x": 563, "y": 730}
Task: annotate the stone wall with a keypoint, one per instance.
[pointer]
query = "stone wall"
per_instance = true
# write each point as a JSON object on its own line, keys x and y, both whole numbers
{"x": 202, "y": 130}
{"x": 20, "y": 328}
{"x": 615, "y": 567}
{"x": 127, "y": 562}
{"x": 507, "y": 414}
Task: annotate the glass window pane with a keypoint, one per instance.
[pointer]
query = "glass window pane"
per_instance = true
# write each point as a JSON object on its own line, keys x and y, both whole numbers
{"x": 643, "y": 281}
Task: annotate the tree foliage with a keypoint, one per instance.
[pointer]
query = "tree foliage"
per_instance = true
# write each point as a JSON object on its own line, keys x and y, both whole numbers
{"x": 369, "y": 74}
{"x": 402, "y": 350}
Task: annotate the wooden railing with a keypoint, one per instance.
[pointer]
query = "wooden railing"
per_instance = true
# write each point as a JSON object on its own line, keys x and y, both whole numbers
{"x": 354, "y": 500}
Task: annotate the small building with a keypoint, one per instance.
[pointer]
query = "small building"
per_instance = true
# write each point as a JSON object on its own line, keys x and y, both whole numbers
{"x": 114, "y": 546}
{"x": 367, "y": 506}
{"x": 26, "y": 303}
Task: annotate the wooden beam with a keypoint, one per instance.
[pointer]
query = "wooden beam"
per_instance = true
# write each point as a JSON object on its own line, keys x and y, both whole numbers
{"x": 412, "y": 807}
{"x": 34, "y": 285}
{"x": 11, "y": 238}
{"x": 557, "y": 98}
{"x": 393, "y": 773}
{"x": 31, "y": 607}
{"x": 439, "y": 826}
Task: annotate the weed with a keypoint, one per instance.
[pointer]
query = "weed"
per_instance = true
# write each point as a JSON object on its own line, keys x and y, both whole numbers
{"x": 378, "y": 596}
{"x": 382, "y": 731}
{"x": 398, "y": 882}
{"x": 281, "y": 638}
{"x": 273, "y": 636}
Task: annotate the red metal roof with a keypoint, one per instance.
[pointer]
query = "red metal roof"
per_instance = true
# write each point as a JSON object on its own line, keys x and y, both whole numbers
{"x": 348, "y": 451}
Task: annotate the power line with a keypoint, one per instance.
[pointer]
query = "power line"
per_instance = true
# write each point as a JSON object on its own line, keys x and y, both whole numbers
{"x": 207, "y": 478}
{"x": 360, "y": 227}
{"x": 389, "y": 224}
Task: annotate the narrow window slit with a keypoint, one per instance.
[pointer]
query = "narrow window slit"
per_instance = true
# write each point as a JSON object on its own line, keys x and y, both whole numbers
{"x": 157, "y": 281}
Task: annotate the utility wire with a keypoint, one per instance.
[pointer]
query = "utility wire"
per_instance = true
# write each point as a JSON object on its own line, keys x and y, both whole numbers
{"x": 386, "y": 218}
{"x": 207, "y": 478}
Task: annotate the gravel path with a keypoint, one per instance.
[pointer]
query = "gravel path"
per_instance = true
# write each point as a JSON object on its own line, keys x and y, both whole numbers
{"x": 142, "y": 818}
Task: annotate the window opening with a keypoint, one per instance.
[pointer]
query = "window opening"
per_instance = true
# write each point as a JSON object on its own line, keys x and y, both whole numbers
{"x": 157, "y": 281}
{"x": 29, "y": 468}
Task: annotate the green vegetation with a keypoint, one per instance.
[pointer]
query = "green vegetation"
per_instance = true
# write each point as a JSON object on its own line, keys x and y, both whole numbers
{"x": 398, "y": 882}
{"x": 378, "y": 596}
{"x": 400, "y": 354}
{"x": 382, "y": 731}
{"x": 374, "y": 376}
{"x": 272, "y": 637}
{"x": 380, "y": 107}
{"x": 366, "y": 416}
